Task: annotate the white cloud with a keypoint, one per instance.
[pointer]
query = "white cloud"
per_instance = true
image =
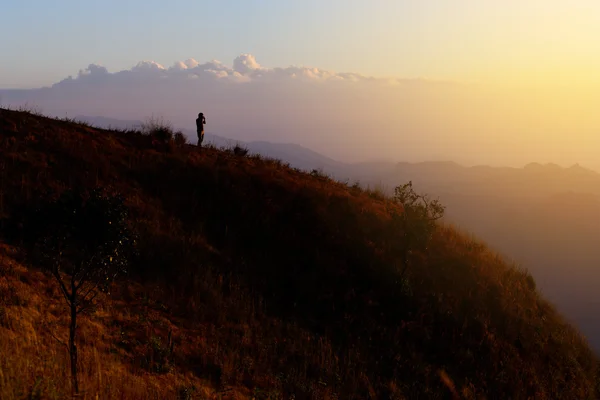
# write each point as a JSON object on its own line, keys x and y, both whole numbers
{"x": 245, "y": 63}
{"x": 179, "y": 65}
{"x": 218, "y": 73}
{"x": 93, "y": 69}
{"x": 341, "y": 114}
{"x": 191, "y": 63}
{"x": 143, "y": 66}
{"x": 245, "y": 69}
{"x": 183, "y": 65}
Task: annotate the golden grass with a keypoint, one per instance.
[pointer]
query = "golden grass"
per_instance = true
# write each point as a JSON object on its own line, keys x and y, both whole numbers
{"x": 272, "y": 282}
{"x": 34, "y": 362}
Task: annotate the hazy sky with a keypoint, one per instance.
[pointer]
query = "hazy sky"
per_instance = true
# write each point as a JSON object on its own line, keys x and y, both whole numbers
{"x": 467, "y": 40}
{"x": 525, "y": 74}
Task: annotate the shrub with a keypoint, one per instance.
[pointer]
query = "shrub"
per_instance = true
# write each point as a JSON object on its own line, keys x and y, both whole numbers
{"x": 376, "y": 194}
{"x": 158, "y": 129}
{"x": 179, "y": 139}
{"x": 240, "y": 150}
{"x": 530, "y": 282}
{"x": 417, "y": 221}
{"x": 30, "y": 109}
{"x": 162, "y": 134}
{"x": 319, "y": 173}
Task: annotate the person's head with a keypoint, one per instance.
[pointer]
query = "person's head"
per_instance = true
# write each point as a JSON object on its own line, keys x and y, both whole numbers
{"x": 200, "y": 115}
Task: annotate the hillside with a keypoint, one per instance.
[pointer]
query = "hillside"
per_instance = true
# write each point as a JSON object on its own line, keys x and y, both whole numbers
{"x": 544, "y": 217}
{"x": 273, "y": 283}
{"x": 295, "y": 155}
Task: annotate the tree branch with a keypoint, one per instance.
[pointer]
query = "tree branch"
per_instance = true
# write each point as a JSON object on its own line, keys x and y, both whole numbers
{"x": 86, "y": 272}
{"x": 85, "y": 307}
{"x": 93, "y": 286}
{"x": 55, "y": 338}
{"x": 62, "y": 286}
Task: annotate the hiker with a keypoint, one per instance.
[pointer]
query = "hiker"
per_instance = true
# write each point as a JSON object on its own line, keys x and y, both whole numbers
{"x": 200, "y": 121}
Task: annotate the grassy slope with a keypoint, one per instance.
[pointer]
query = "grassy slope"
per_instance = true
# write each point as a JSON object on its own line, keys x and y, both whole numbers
{"x": 272, "y": 282}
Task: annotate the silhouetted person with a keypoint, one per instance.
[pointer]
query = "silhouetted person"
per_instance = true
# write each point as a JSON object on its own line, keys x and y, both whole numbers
{"x": 200, "y": 121}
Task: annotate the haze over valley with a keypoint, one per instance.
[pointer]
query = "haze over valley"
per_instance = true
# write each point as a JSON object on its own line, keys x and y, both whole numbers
{"x": 348, "y": 116}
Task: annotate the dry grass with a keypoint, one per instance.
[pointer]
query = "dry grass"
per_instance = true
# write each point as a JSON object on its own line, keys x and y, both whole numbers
{"x": 272, "y": 282}
{"x": 33, "y": 329}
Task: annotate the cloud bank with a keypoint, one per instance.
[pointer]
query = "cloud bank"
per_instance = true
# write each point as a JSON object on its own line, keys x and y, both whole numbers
{"x": 347, "y": 116}
{"x": 245, "y": 69}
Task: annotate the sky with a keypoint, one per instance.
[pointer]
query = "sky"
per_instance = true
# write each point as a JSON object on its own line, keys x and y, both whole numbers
{"x": 464, "y": 40}
{"x": 474, "y": 81}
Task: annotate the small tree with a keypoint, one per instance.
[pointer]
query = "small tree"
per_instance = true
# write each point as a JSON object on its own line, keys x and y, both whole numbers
{"x": 417, "y": 221}
{"x": 84, "y": 242}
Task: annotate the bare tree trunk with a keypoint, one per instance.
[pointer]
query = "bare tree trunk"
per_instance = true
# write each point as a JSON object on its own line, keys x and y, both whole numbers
{"x": 72, "y": 331}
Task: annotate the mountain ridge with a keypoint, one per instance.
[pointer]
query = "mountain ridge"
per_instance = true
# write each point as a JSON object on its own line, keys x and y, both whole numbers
{"x": 271, "y": 282}
{"x": 220, "y": 141}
